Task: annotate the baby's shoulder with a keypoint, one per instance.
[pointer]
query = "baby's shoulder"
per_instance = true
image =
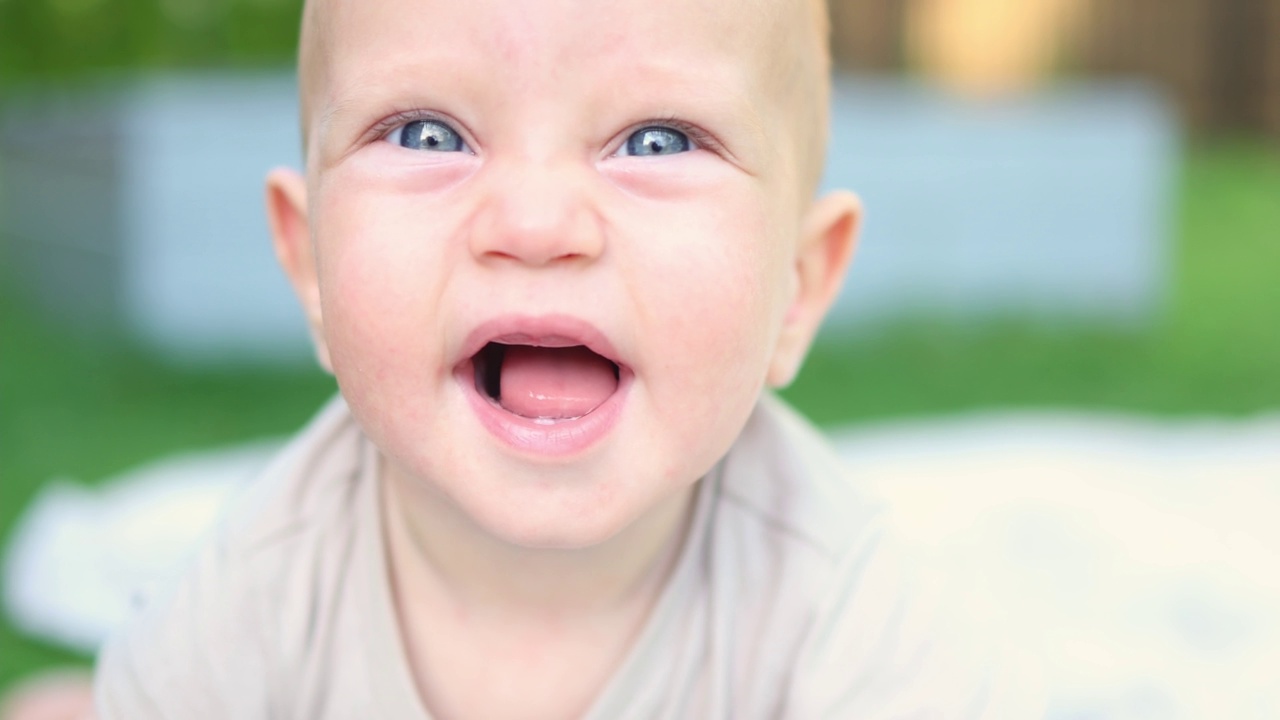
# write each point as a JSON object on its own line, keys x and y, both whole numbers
{"x": 783, "y": 479}
{"x": 249, "y": 602}
{"x": 824, "y": 581}
{"x": 310, "y": 491}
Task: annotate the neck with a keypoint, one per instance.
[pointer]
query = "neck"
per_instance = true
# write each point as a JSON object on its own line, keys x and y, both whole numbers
{"x": 436, "y": 549}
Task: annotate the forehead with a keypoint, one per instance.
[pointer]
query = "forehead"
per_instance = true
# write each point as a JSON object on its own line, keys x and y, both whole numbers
{"x": 517, "y": 27}
{"x": 738, "y": 46}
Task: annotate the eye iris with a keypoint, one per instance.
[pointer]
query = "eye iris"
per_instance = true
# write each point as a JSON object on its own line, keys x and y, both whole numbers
{"x": 430, "y": 135}
{"x": 657, "y": 141}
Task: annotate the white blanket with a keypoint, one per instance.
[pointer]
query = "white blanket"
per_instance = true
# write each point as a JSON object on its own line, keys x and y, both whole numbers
{"x": 1137, "y": 559}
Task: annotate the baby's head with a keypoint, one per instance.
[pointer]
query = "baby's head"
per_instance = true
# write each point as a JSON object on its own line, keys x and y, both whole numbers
{"x": 554, "y": 250}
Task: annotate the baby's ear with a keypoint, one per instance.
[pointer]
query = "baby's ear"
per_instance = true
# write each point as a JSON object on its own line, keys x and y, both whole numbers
{"x": 291, "y": 235}
{"x": 827, "y": 241}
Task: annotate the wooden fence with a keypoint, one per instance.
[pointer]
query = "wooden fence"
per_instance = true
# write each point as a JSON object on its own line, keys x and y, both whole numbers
{"x": 1218, "y": 60}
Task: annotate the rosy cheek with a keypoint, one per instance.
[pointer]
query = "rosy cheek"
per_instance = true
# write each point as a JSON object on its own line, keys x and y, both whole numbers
{"x": 380, "y": 270}
{"x": 707, "y": 265}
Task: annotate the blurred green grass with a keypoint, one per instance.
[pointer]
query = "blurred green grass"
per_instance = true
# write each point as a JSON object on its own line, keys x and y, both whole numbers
{"x": 55, "y": 40}
{"x": 69, "y": 409}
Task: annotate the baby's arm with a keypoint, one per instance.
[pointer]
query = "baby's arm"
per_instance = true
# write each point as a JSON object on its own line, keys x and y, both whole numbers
{"x": 196, "y": 651}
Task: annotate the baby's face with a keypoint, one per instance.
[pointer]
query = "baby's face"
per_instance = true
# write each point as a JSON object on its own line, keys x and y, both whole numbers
{"x": 555, "y": 243}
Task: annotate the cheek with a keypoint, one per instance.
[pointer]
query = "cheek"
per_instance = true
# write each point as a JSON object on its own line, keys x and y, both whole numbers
{"x": 380, "y": 279}
{"x": 717, "y": 276}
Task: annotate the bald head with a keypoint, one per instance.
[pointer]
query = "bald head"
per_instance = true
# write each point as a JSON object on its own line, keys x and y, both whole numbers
{"x": 787, "y": 41}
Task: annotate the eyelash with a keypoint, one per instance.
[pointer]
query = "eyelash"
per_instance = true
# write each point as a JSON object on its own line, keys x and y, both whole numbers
{"x": 404, "y": 117}
{"x": 701, "y": 138}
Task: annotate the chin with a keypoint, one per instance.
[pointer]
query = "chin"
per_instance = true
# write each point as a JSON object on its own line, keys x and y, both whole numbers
{"x": 561, "y": 522}
{"x": 567, "y": 538}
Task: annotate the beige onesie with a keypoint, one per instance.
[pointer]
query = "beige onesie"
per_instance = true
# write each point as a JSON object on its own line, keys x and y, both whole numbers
{"x": 787, "y": 601}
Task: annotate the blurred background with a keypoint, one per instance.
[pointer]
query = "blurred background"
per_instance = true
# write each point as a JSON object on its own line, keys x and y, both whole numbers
{"x": 1073, "y": 238}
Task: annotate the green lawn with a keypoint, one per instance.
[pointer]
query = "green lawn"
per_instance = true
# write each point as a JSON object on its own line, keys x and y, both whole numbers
{"x": 67, "y": 409}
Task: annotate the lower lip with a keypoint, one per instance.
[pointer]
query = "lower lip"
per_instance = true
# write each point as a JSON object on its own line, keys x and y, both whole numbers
{"x": 547, "y": 438}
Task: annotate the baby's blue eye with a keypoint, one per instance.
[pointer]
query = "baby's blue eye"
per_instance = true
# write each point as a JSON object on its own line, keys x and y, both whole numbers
{"x": 427, "y": 135}
{"x": 657, "y": 140}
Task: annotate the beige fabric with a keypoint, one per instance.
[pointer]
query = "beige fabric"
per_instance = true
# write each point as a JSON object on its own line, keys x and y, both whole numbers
{"x": 786, "y": 602}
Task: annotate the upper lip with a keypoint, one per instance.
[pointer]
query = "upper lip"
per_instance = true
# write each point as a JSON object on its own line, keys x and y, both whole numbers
{"x": 539, "y": 331}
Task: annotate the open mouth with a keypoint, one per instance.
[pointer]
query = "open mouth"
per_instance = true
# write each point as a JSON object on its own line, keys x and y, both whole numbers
{"x": 544, "y": 384}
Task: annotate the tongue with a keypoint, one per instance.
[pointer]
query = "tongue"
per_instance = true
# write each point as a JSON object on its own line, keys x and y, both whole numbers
{"x": 557, "y": 383}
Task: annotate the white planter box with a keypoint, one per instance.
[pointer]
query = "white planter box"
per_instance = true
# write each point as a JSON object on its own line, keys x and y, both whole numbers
{"x": 1052, "y": 205}
{"x": 140, "y": 207}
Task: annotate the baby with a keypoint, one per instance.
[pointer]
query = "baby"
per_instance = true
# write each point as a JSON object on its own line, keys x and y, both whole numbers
{"x": 554, "y": 253}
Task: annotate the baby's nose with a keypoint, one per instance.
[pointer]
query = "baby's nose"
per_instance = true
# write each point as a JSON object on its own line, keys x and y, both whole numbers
{"x": 537, "y": 214}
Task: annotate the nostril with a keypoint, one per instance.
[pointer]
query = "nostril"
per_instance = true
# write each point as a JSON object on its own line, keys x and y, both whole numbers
{"x": 500, "y": 255}
{"x": 536, "y": 259}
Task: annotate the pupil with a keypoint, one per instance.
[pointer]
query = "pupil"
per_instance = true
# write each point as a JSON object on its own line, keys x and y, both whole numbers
{"x": 428, "y": 135}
